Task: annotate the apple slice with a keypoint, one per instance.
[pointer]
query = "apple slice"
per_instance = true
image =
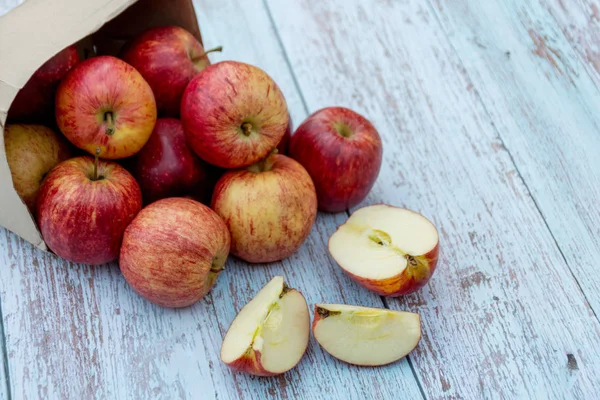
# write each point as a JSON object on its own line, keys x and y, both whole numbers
{"x": 270, "y": 334}
{"x": 365, "y": 336}
{"x": 389, "y": 250}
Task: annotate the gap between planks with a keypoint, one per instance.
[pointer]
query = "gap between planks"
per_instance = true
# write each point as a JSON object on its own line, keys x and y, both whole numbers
{"x": 4, "y": 371}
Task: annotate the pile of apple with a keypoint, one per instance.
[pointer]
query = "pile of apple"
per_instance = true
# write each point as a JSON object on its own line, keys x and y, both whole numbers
{"x": 147, "y": 137}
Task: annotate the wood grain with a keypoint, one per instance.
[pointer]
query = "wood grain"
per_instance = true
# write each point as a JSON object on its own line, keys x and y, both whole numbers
{"x": 579, "y": 21}
{"x": 76, "y": 331}
{"x": 4, "y": 376}
{"x": 544, "y": 102}
{"x": 503, "y": 317}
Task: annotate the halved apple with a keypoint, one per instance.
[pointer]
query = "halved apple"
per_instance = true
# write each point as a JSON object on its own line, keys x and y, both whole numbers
{"x": 270, "y": 334}
{"x": 389, "y": 250}
{"x": 365, "y": 336}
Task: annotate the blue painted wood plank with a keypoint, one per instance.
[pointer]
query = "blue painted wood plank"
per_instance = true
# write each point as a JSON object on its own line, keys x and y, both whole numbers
{"x": 4, "y": 375}
{"x": 544, "y": 102}
{"x": 504, "y": 316}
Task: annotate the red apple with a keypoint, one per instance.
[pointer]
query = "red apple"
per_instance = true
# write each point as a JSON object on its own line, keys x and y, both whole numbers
{"x": 35, "y": 101}
{"x": 32, "y": 151}
{"x": 203, "y": 192}
{"x": 173, "y": 252}
{"x": 168, "y": 57}
{"x": 282, "y": 147}
{"x": 233, "y": 114}
{"x": 270, "y": 334}
{"x": 341, "y": 150}
{"x": 268, "y": 207}
{"x": 167, "y": 167}
{"x": 104, "y": 103}
{"x": 403, "y": 244}
{"x": 84, "y": 207}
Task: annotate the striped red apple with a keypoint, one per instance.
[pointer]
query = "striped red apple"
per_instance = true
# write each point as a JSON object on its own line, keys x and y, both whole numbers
{"x": 233, "y": 114}
{"x": 105, "y": 103}
{"x": 168, "y": 57}
{"x": 269, "y": 208}
{"x": 173, "y": 251}
{"x": 341, "y": 150}
{"x": 167, "y": 167}
{"x": 83, "y": 208}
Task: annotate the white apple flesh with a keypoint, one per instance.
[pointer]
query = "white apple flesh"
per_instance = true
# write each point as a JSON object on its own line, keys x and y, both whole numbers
{"x": 270, "y": 334}
{"x": 389, "y": 250}
{"x": 366, "y": 336}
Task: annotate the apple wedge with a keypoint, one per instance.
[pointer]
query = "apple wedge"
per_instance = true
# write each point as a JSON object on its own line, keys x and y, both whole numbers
{"x": 270, "y": 334}
{"x": 389, "y": 250}
{"x": 365, "y": 336}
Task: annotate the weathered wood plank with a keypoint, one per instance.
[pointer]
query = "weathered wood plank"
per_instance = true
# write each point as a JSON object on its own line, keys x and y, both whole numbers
{"x": 545, "y": 103}
{"x": 4, "y": 377}
{"x": 84, "y": 323}
{"x": 503, "y": 317}
{"x": 579, "y": 21}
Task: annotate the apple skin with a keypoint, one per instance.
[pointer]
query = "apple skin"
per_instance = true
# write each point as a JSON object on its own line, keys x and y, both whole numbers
{"x": 35, "y": 101}
{"x": 100, "y": 89}
{"x": 173, "y": 252}
{"x": 407, "y": 282}
{"x": 233, "y": 114}
{"x": 316, "y": 318}
{"x": 83, "y": 220}
{"x": 168, "y": 57}
{"x": 343, "y": 169}
{"x": 284, "y": 144}
{"x": 268, "y": 207}
{"x": 250, "y": 364}
{"x": 32, "y": 151}
{"x": 167, "y": 167}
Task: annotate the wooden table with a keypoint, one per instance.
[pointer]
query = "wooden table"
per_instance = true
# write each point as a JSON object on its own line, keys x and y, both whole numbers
{"x": 490, "y": 118}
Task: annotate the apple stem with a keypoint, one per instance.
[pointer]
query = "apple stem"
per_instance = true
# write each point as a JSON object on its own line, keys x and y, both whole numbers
{"x": 97, "y": 154}
{"x": 110, "y": 123}
{"x": 265, "y": 164}
{"x": 247, "y": 128}
{"x": 219, "y": 49}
